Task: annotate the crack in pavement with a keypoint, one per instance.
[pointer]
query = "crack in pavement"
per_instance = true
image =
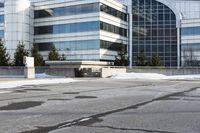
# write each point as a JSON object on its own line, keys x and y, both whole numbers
{"x": 132, "y": 129}
{"x": 87, "y": 121}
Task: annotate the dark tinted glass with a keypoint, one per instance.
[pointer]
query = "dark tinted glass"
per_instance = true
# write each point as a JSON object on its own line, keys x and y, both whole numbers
{"x": 1, "y": 5}
{"x": 190, "y": 54}
{"x": 113, "y": 46}
{"x": 113, "y": 12}
{"x": 70, "y": 45}
{"x": 114, "y": 29}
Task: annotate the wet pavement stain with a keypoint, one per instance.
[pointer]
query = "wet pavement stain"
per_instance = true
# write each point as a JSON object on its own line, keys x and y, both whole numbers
{"x": 85, "y": 97}
{"x": 27, "y": 90}
{"x": 58, "y": 99}
{"x": 19, "y": 91}
{"x": 21, "y": 105}
{"x": 187, "y": 99}
{"x": 71, "y": 93}
{"x": 36, "y": 89}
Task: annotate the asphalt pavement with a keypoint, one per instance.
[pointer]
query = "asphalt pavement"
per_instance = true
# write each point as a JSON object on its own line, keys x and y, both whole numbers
{"x": 102, "y": 106}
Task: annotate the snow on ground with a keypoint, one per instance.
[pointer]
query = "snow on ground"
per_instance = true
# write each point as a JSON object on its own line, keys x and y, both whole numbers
{"x": 138, "y": 76}
{"x": 37, "y": 75}
{"x": 5, "y": 92}
{"x": 186, "y": 77}
{"x": 14, "y": 84}
{"x": 44, "y": 75}
{"x": 11, "y": 76}
{"x": 153, "y": 76}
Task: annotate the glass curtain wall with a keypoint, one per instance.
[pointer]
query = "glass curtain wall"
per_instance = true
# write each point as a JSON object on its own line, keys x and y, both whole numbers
{"x": 154, "y": 32}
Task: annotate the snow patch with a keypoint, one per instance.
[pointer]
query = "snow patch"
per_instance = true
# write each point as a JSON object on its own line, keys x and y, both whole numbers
{"x": 154, "y": 76}
{"x": 5, "y": 92}
{"x": 14, "y": 84}
{"x": 44, "y": 75}
{"x": 11, "y": 76}
{"x": 185, "y": 77}
{"x": 139, "y": 76}
{"x": 37, "y": 75}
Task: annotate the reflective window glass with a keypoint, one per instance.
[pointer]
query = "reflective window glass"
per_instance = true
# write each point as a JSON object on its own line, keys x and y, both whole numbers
{"x": 154, "y": 31}
{"x": 69, "y": 10}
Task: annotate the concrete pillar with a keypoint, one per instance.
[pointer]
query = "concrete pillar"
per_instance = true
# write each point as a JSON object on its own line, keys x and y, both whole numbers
{"x": 29, "y": 70}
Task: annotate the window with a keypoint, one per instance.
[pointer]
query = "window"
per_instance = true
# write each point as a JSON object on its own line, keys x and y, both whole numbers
{"x": 67, "y": 28}
{"x": 114, "y": 29}
{"x": 1, "y": 33}
{"x": 69, "y": 10}
{"x": 1, "y": 18}
{"x": 190, "y": 31}
{"x": 70, "y": 45}
{"x": 113, "y": 46}
{"x": 113, "y": 12}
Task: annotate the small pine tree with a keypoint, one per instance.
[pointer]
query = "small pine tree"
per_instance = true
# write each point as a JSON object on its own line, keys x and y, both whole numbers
{"x": 53, "y": 54}
{"x": 19, "y": 54}
{"x": 63, "y": 58}
{"x": 38, "y": 59}
{"x": 121, "y": 59}
{"x": 141, "y": 59}
{"x": 4, "y": 56}
{"x": 156, "y": 60}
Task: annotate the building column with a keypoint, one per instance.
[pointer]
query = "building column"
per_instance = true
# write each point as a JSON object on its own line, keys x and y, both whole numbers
{"x": 178, "y": 48}
{"x": 130, "y": 35}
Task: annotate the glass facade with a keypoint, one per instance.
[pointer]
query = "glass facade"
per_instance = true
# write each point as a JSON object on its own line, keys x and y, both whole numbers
{"x": 190, "y": 31}
{"x": 154, "y": 32}
{"x": 1, "y": 18}
{"x": 81, "y": 45}
{"x": 1, "y": 33}
{"x": 113, "y": 12}
{"x": 67, "y": 28}
{"x": 79, "y": 27}
{"x": 66, "y": 11}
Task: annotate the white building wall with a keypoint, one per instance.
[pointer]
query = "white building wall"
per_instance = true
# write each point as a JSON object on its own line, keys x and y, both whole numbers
{"x": 17, "y": 24}
{"x": 188, "y": 8}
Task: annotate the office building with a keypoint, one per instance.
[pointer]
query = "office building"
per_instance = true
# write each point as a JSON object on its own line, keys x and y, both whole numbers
{"x": 96, "y": 30}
